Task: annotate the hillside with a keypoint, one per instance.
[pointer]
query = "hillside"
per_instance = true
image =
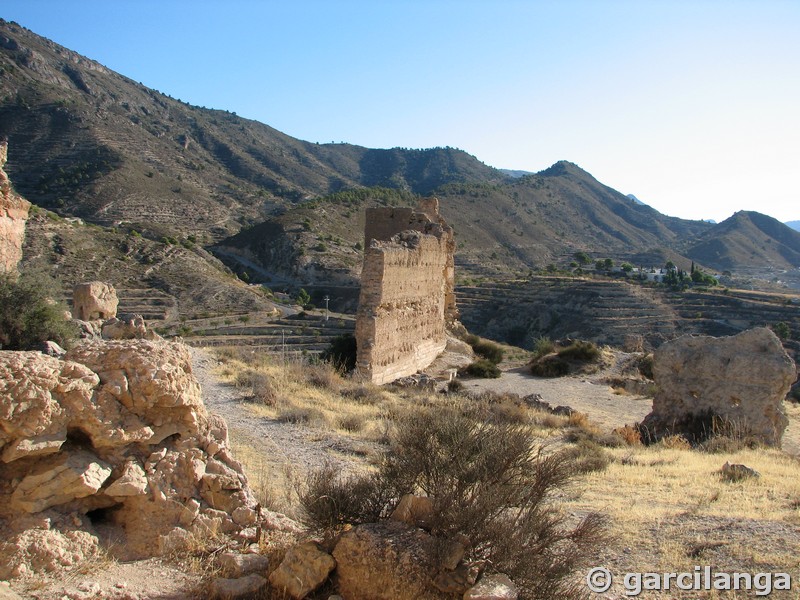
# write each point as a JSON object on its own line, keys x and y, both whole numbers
{"x": 748, "y": 240}
{"x": 89, "y": 142}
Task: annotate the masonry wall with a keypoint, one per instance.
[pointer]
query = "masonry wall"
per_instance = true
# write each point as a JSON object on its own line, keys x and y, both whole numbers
{"x": 400, "y": 326}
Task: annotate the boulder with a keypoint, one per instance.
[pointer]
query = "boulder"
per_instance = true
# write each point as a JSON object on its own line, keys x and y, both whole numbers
{"x": 237, "y": 565}
{"x": 6, "y": 593}
{"x": 94, "y": 300}
{"x": 231, "y": 589}
{"x": 389, "y": 560}
{"x": 414, "y": 510}
{"x": 58, "y": 480}
{"x": 116, "y": 430}
{"x": 740, "y": 379}
{"x": 304, "y": 569}
{"x": 126, "y": 327}
{"x": 493, "y": 587}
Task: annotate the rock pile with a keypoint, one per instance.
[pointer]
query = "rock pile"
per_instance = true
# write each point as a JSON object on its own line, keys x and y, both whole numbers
{"x": 112, "y": 443}
{"x": 740, "y": 380}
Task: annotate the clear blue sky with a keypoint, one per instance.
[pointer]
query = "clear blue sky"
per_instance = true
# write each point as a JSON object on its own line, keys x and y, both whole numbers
{"x": 691, "y": 105}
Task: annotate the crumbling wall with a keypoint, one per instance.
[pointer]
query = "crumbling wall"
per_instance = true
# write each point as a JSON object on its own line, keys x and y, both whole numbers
{"x": 13, "y": 216}
{"x": 406, "y": 291}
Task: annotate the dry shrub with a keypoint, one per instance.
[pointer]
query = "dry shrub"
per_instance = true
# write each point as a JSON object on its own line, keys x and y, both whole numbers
{"x": 366, "y": 394}
{"x": 482, "y": 368}
{"x": 580, "y": 350}
{"x": 542, "y": 346}
{"x": 629, "y": 435}
{"x": 675, "y": 442}
{"x": 645, "y": 366}
{"x": 301, "y": 415}
{"x": 332, "y": 500}
{"x": 352, "y": 423}
{"x": 323, "y": 375}
{"x": 487, "y": 481}
{"x": 588, "y": 456}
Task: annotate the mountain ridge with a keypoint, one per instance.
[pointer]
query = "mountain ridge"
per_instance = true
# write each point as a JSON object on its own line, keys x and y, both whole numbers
{"x": 88, "y": 142}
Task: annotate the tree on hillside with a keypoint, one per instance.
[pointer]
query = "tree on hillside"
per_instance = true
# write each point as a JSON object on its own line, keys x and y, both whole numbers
{"x": 582, "y": 258}
{"x": 29, "y": 316}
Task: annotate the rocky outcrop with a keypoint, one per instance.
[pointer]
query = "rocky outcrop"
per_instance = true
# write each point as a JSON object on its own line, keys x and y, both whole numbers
{"x": 94, "y": 300}
{"x": 13, "y": 216}
{"x": 740, "y": 380}
{"x": 388, "y": 560}
{"x": 114, "y": 438}
{"x": 305, "y": 568}
{"x": 407, "y": 296}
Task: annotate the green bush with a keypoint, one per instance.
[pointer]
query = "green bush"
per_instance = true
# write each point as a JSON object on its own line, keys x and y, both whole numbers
{"x": 485, "y": 348}
{"x": 550, "y": 366}
{"x": 543, "y": 345}
{"x": 341, "y": 352}
{"x": 580, "y": 350}
{"x": 28, "y": 315}
{"x": 483, "y": 368}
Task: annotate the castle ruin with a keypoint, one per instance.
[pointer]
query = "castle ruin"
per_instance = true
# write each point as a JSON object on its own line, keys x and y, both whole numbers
{"x": 407, "y": 291}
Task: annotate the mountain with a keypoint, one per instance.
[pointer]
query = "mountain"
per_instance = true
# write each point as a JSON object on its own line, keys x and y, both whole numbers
{"x": 793, "y": 224}
{"x": 87, "y": 142}
{"x": 747, "y": 240}
{"x": 634, "y": 198}
{"x": 515, "y": 173}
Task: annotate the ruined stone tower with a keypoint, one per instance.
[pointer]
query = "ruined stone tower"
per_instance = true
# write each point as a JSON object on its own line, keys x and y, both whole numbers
{"x": 407, "y": 291}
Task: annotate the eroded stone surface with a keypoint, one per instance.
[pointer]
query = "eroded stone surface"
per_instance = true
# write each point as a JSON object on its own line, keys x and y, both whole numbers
{"x": 117, "y": 430}
{"x": 389, "y": 560}
{"x": 94, "y": 300}
{"x": 742, "y": 379}
{"x": 407, "y": 295}
{"x": 13, "y": 217}
{"x": 303, "y": 570}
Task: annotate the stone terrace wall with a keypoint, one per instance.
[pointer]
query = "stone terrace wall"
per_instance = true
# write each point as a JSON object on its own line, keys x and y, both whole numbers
{"x": 406, "y": 292}
{"x": 13, "y": 216}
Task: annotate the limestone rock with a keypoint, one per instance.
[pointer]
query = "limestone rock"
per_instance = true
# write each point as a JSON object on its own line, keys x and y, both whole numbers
{"x": 493, "y": 587}
{"x": 126, "y": 327}
{"x": 303, "y": 570}
{"x": 45, "y": 548}
{"x": 117, "y": 426}
{"x": 94, "y": 300}
{"x": 387, "y": 561}
{"x": 30, "y": 447}
{"x": 238, "y": 565}
{"x": 132, "y": 481}
{"x": 414, "y": 510}
{"x": 60, "y": 480}
{"x": 51, "y": 348}
{"x": 6, "y": 593}
{"x": 13, "y": 217}
{"x": 742, "y": 379}
{"x": 231, "y": 589}
{"x": 737, "y": 472}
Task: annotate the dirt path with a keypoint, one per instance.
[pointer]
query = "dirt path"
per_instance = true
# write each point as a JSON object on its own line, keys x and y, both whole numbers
{"x": 598, "y": 400}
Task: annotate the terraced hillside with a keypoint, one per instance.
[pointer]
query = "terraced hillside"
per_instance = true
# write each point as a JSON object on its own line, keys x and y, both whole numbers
{"x": 519, "y": 311}
{"x": 304, "y": 333}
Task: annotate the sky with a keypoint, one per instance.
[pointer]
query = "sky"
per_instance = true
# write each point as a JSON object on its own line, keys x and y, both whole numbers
{"x": 693, "y": 106}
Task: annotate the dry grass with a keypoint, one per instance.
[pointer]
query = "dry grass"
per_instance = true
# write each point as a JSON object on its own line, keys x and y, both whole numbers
{"x": 668, "y": 506}
{"x": 665, "y": 502}
{"x": 311, "y": 394}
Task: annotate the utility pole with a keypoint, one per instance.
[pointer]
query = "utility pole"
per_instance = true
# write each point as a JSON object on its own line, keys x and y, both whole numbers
{"x": 327, "y": 299}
